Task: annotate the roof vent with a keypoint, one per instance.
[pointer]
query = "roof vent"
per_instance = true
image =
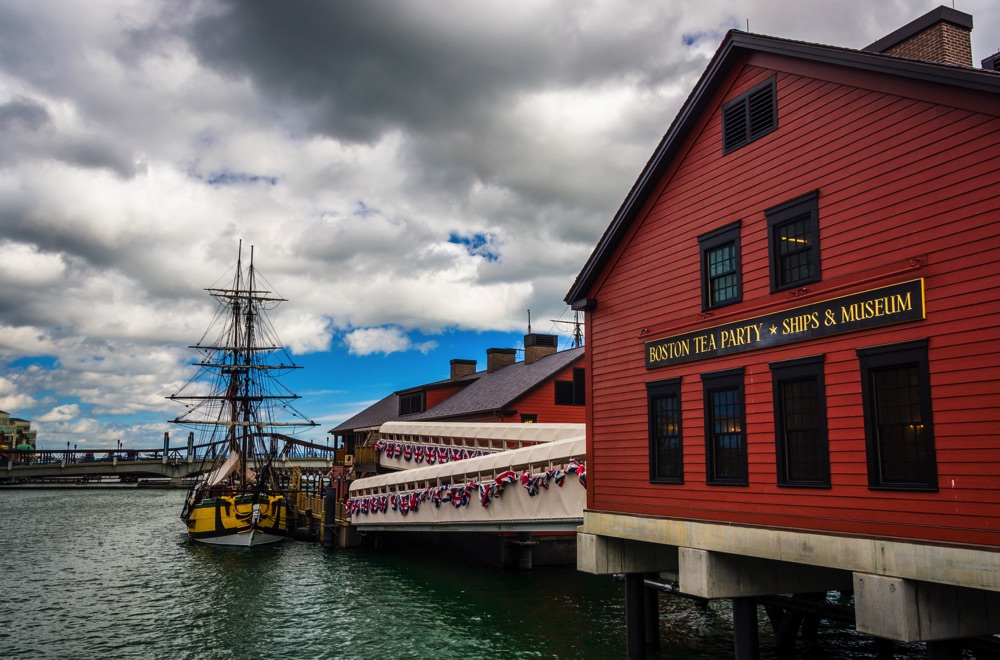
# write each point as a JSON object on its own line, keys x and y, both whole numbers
{"x": 749, "y": 116}
{"x": 992, "y": 63}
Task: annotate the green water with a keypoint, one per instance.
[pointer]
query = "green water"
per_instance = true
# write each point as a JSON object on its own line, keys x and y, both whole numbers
{"x": 112, "y": 574}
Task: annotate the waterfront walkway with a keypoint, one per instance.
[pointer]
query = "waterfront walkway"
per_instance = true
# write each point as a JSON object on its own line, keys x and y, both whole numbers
{"x": 132, "y": 464}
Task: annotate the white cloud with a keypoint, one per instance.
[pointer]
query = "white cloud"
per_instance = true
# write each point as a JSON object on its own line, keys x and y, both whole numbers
{"x": 366, "y": 341}
{"x": 60, "y": 414}
{"x": 347, "y": 142}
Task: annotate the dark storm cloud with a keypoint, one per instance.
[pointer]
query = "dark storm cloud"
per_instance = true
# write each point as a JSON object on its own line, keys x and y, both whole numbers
{"x": 447, "y": 75}
{"x": 367, "y": 67}
{"x": 27, "y": 131}
{"x": 23, "y": 114}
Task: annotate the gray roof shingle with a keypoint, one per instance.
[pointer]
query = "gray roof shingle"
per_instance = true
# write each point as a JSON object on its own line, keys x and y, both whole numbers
{"x": 485, "y": 393}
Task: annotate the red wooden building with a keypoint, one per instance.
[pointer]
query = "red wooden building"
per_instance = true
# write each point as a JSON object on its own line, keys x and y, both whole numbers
{"x": 546, "y": 386}
{"x": 793, "y": 325}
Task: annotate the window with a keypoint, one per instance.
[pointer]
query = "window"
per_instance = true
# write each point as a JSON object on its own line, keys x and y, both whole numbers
{"x": 899, "y": 431}
{"x": 720, "y": 267}
{"x": 411, "y": 403}
{"x": 749, "y": 116}
{"x": 725, "y": 424}
{"x": 793, "y": 241}
{"x": 666, "y": 453}
{"x": 572, "y": 392}
{"x": 800, "y": 430}
{"x": 529, "y": 419}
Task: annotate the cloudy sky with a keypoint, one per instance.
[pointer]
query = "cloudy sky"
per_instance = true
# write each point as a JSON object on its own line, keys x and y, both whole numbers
{"x": 414, "y": 175}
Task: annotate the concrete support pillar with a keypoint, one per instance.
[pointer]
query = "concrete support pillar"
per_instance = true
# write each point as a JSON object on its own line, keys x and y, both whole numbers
{"x": 329, "y": 516}
{"x": 635, "y": 616}
{"x": 914, "y": 611}
{"x": 948, "y": 649}
{"x": 651, "y": 610}
{"x": 719, "y": 575}
{"x": 603, "y": 555}
{"x": 525, "y": 550}
{"x": 745, "y": 629}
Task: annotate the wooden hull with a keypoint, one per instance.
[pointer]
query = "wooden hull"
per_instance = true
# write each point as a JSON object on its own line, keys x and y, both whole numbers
{"x": 233, "y": 520}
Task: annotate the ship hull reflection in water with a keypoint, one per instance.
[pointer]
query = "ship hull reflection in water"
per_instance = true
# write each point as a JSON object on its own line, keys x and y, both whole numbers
{"x": 120, "y": 578}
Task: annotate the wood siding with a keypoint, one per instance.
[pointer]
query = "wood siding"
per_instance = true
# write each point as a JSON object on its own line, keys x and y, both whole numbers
{"x": 542, "y": 402}
{"x": 907, "y": 189}
{"x": 435, "y": 395}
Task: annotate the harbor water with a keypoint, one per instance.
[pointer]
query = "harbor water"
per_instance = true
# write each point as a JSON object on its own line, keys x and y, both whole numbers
{"x": 111, "y": 573}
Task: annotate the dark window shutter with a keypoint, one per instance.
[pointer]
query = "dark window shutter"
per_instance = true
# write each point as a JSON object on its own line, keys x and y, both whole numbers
{"x": 749, "y": 116}
{"x": 580, "y": 386}
{"x": 761, "y": 111}
{"x": 564, "y": 393}
{"x": 734, "y": 126}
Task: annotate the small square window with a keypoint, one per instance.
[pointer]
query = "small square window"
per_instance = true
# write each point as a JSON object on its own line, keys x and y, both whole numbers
{"x": 899, "y": 430}
{"x": 725, "y": 428}
{"x": 793, "y": 241}
{"x": 720, "y": 267}
{"x": 666, "y": 451}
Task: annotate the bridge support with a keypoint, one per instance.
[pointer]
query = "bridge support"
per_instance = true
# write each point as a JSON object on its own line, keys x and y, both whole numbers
{"x": 525, "y": 550}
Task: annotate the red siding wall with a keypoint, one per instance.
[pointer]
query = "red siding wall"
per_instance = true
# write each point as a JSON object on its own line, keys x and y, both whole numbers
{"x": 907, "y": 189}
{"x": 542, "y": 402}
{"x": 434, "y": 396}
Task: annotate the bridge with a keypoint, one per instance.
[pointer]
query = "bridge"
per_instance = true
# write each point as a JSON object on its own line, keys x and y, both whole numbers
{"x": 57, "y": 466}
{"x": 481, "y": 477}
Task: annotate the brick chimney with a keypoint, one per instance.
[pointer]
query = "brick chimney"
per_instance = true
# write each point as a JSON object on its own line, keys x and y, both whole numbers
{"x": 537, "y": 346}
{"x": 462, "y": 368}
{"x": 498, "y": 358}
{"x": 942, "y": 35}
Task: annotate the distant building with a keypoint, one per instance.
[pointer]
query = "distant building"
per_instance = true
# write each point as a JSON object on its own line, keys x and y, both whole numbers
{"x": 548, "y": 386}
{"x": 15, "y": 431}
{"x": 792, "y": 329}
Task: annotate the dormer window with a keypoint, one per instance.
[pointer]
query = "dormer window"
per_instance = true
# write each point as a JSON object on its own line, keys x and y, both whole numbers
{"x": 749, "y": 116}
{"x": 411, "y": 403}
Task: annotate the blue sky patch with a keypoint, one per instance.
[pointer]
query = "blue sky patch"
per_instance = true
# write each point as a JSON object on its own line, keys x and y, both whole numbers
{"x": 235, "y": 178}
{"x": 479, "y": 244}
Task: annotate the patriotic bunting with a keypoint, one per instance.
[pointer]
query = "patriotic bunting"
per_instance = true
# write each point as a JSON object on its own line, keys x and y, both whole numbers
{"x": 459, "y": 495}
{"x": 430, "y": 453}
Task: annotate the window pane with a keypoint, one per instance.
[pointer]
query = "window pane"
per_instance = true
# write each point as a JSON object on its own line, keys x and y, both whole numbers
{"x": 801, "y": 431}
{"x": 899, "y": 424}
{"x": 666, "y": 438}
{"x": 727, "y": 434}
{"x": 795, "y": 254}
{"x": 721, "y": 264}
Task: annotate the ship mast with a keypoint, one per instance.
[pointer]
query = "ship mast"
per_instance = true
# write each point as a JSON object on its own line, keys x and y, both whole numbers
{"x": 245, "y": 398}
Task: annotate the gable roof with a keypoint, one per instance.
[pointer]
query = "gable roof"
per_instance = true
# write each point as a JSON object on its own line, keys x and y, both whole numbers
{"x": 734, "y": 48}
{"x": 484, "y": 393}
{"x": 494, "y": 391}
{"x": 387, "y": 409}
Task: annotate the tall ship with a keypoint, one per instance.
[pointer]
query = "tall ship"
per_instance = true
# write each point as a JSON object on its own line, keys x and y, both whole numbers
{"x": 241, "y": 414}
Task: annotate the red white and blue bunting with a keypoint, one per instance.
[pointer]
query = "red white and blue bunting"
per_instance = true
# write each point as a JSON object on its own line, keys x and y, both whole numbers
{"x": 429, "y": 454}
{"x": 460, "y": 495}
